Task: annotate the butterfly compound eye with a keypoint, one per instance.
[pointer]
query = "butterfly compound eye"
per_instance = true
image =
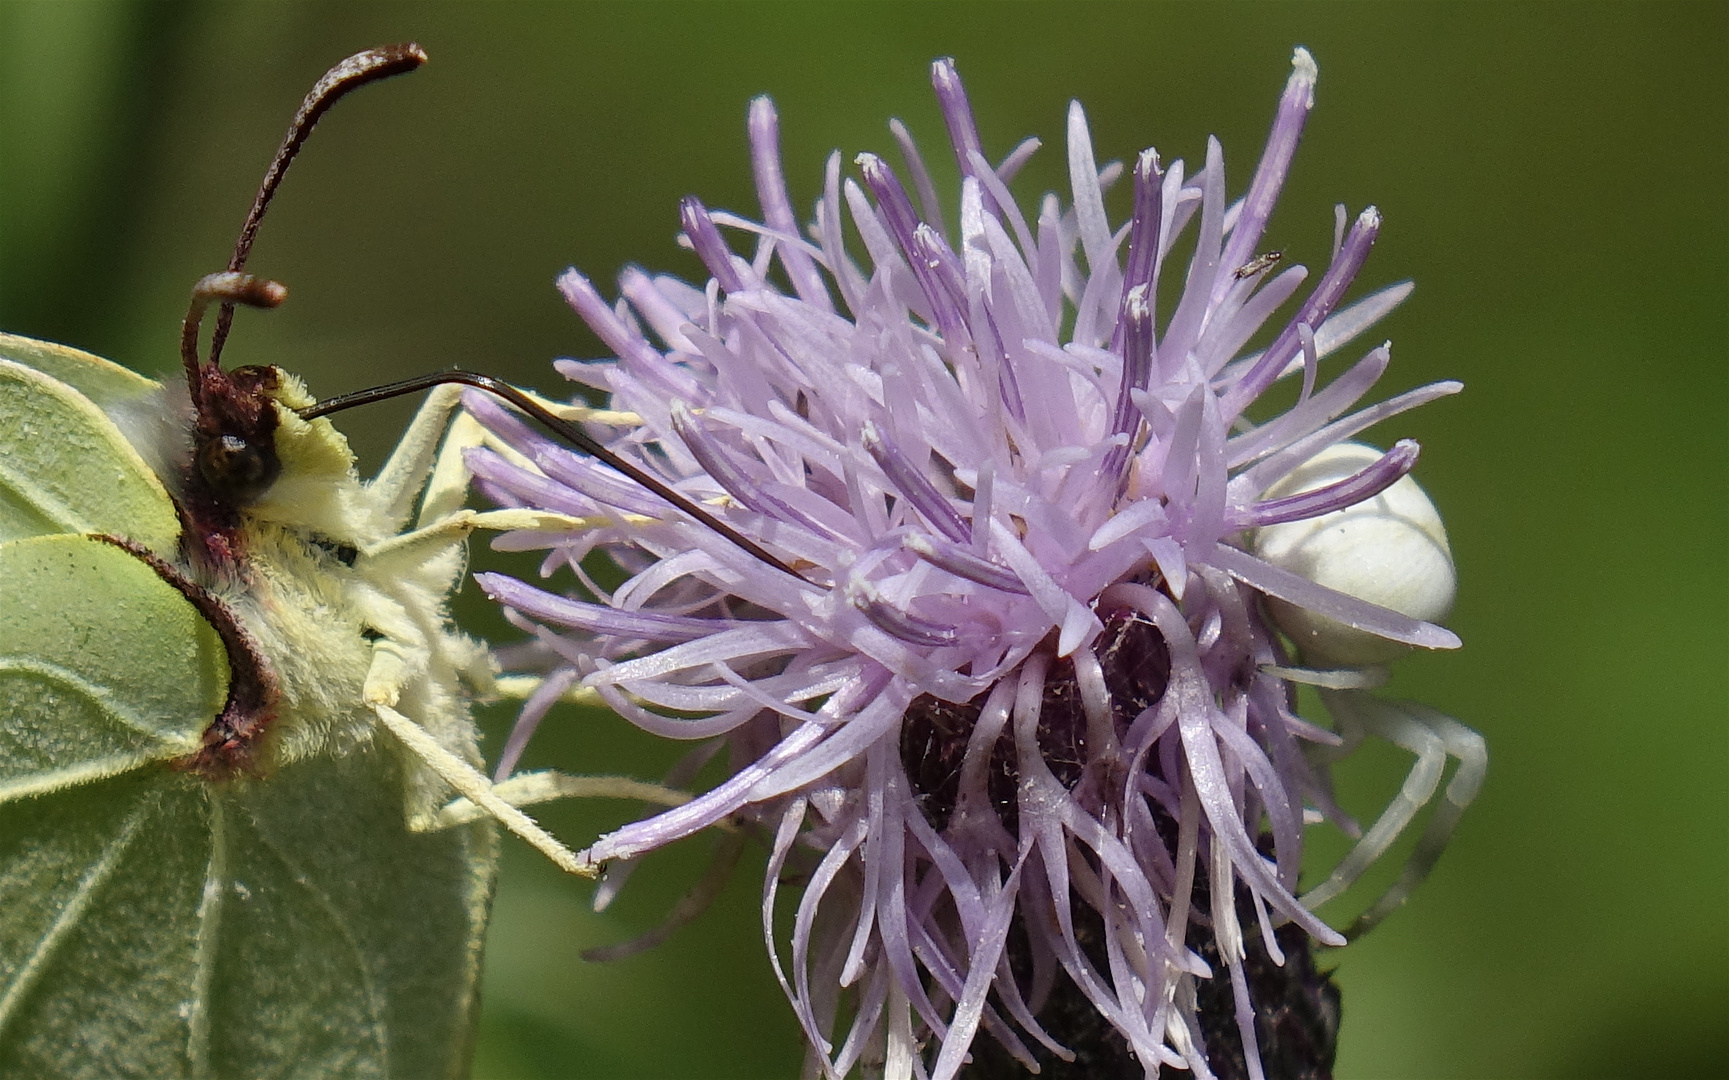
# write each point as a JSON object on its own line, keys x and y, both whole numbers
{"x": 237, "y": 467}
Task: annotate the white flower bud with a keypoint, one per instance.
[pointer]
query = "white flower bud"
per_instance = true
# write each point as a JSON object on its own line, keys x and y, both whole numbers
{"x": 1390, "y": 550}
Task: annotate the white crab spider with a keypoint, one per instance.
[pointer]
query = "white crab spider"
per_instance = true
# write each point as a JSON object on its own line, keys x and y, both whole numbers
{"x": 1390, "y": 550}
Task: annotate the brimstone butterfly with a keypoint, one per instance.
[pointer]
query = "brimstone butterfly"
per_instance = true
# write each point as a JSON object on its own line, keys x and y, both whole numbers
{"x": 232, "y": 706}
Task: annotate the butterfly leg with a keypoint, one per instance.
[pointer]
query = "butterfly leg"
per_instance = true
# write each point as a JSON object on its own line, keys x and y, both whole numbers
{"x": 383, "y": 683}
{"x": 447, "y": 489}
{"x": 522, "y": 687}
{"x": 529, "y": 788}
{"x": 475, "y": 787}
{"x": 403, "y": 554}
{"x": 415, "y": 460}
{"x": 428, "y": 463}
{"x": 1432, "y": 737}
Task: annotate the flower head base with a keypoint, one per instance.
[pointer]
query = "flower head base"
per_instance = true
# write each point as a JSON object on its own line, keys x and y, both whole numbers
{"x": 1015, "y": 711}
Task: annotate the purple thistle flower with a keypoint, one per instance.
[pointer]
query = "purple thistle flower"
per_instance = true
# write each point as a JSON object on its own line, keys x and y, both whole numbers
{"x": 1006, "y": 694}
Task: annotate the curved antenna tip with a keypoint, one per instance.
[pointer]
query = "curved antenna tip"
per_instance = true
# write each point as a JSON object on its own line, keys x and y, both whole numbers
{"x": 366, "y": 66}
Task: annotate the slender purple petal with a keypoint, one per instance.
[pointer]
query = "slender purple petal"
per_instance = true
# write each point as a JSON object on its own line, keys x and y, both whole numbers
{"x": 963, "y": 563}
{"x": 706, "y": 241}
{"x": 777, "y": 206}
{"x": 1316, "y": 308}
{"x": 958, "y": 117}
{"x": 1350, "y": 491}
{"x": 911, "y": 484}
{"x": 1335, "y": 605}
{"x": 595, "y": 618}
{"x": 1294, "y": 106}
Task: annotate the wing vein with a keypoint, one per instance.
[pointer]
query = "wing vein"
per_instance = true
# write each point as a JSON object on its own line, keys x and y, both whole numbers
{"x": 209, "y": 927}
{"x": 52, "y": 508}
{"x": 98, "y": 696}
{"x": 84, "y": 772}
{"x": 64, "y": 923}
{"x": 378, "y": 1007}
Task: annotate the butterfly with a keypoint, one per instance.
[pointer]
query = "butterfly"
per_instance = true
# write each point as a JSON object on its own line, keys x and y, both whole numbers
{"x": 234, "y": 713}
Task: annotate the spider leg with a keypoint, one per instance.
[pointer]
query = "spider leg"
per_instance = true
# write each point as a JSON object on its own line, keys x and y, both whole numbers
{"x": 1432, "y": 737}
{"x": 1473, "y": 756}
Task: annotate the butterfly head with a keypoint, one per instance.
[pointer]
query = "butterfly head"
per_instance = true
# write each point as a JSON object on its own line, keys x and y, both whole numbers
{"x": 244, "y": 432}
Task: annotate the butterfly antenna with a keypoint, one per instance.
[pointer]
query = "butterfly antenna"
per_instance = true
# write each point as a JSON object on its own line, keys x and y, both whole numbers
{"x": 233, "y": 287}
{"x": 565, "y": 430}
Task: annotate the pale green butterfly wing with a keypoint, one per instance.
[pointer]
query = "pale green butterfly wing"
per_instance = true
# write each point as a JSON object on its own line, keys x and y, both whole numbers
{"x": 108, "y": 385}
{"x": 104, "y": 667}
{"x": 257, "y": 907}
{"x": 159, "y": 924}
{"x": 65, "y": 467}
{"x": 158, "y": 928}
{"x": 70, "y": 861}
{"x": 400, "y": 918}
{"x": 106, "y": 673}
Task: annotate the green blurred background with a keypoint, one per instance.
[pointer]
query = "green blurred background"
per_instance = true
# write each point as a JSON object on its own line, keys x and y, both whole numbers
{"x": 1553, "y": 176}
